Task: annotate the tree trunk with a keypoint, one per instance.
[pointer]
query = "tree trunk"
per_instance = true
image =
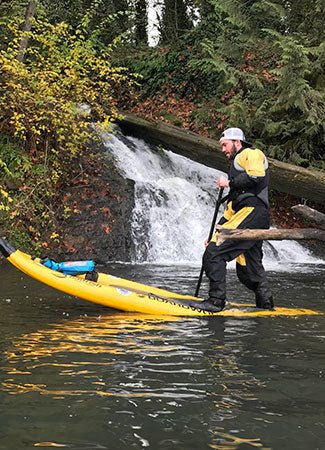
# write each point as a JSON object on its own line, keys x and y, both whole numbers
{"x": 141, "y": 22}
{"x": 294, "y": 180}
{"x": 225, "y": 234}
{"x": 30, "y": 13}
{"x": 175, "y": 20}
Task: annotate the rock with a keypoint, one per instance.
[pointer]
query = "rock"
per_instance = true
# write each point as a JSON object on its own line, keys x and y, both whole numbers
{"x": 101, "y": 203}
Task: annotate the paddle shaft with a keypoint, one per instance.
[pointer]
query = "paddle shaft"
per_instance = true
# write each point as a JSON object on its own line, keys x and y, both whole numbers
{"x": 213, "y": 224}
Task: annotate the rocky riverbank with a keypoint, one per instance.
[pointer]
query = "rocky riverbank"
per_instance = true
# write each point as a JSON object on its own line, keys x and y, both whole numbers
{"x": 99, "y": 226}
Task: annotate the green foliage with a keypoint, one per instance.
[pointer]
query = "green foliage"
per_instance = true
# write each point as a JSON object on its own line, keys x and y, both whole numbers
{"x": 9, "y": 9}
{"x": 293, "y": 87}
{"x": 61, "y": 71}
{"x": 258, "y": 65}
{"x": 175, "y": 20}
{"x": 105, "y": 20}
{"x": 299, "y": 103}
{"x": 158, "y": 67}
{"x": 42, "y": 109}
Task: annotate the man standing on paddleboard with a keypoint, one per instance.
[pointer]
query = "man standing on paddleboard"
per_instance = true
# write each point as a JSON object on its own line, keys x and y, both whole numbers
{"x": 247, "y": 207}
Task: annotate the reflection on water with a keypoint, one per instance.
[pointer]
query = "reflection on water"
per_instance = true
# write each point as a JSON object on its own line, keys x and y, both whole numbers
{"x": 124, "y": 356}
{"x": 137, "y": 359}
{"x": 83, "y": 377}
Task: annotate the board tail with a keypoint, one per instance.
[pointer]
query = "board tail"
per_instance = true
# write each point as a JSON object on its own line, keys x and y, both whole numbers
{"x": 5, "y": 248}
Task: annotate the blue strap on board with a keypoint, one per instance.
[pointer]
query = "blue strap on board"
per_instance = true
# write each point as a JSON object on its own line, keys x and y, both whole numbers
{"x": 70, "y": 267}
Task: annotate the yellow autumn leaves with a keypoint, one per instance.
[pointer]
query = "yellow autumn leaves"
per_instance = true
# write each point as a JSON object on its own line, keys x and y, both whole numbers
{"x": 49, "y": 103}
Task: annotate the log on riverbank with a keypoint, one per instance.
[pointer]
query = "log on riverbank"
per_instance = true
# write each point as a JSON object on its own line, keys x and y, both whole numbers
{"x": 294, "y": 180}
{"x": 310, "y": 214}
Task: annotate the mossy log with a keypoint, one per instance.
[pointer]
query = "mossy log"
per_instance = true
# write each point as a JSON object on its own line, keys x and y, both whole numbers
{"x": 298, "y": 181}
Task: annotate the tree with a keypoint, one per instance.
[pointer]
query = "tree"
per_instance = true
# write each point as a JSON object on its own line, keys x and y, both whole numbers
{"x": 175, "y": 21}
{"x": 306, "y": 18}
{"x": 141, "y": 22}
{"x": 264, "y": 74}
{"x": 9, "y": 9}
{"x": 45, "y": 105}
{"x": 107, "y": 19}
{"x": 30, "y": 13}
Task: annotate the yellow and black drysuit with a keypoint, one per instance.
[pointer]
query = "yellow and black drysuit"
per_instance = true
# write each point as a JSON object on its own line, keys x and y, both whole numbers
{"x": 247, "y": 207}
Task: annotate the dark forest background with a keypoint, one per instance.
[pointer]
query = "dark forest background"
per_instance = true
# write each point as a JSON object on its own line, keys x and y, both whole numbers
{"x": 199, "y": 64}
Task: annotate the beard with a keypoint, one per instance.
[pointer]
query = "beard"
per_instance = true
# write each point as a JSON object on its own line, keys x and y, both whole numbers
{"x": 232, "y": 152}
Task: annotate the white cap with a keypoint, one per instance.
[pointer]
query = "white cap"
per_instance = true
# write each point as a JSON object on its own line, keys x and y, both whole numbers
{"x": 233, "y": 134}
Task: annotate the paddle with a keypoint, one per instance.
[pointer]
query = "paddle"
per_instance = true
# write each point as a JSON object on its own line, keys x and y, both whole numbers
{"x": 213, "y": 224}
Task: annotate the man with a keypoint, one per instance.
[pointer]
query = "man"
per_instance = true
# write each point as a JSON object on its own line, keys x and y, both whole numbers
{"x": 247, "y": 207}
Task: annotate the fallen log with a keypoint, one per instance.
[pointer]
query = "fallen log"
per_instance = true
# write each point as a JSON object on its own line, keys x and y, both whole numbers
{"x": 311, "y": 214}
{"x": 225, "y": 234}
{"x": 298, "y": 181}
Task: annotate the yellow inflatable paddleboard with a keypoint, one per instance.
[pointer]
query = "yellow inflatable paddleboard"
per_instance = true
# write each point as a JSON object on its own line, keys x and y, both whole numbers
{"x": 130, "y": 296}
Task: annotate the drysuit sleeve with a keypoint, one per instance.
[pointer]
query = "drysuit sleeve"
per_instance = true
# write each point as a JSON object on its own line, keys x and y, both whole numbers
{"x": 250, "y": 165}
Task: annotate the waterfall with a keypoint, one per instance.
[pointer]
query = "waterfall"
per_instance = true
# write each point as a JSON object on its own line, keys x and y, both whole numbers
{"x": 174, "y": 205}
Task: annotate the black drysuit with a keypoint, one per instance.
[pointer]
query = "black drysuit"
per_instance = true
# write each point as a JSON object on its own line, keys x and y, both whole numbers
{"x": 247, "y": 207}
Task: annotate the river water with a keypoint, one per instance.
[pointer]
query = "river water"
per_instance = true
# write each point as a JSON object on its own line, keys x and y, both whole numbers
{"x": 78, "y": 376}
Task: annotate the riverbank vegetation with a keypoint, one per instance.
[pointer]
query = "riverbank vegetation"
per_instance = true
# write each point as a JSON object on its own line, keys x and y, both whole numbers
{"x": 203, "y": 65}
{"x": 55, "y": 85}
